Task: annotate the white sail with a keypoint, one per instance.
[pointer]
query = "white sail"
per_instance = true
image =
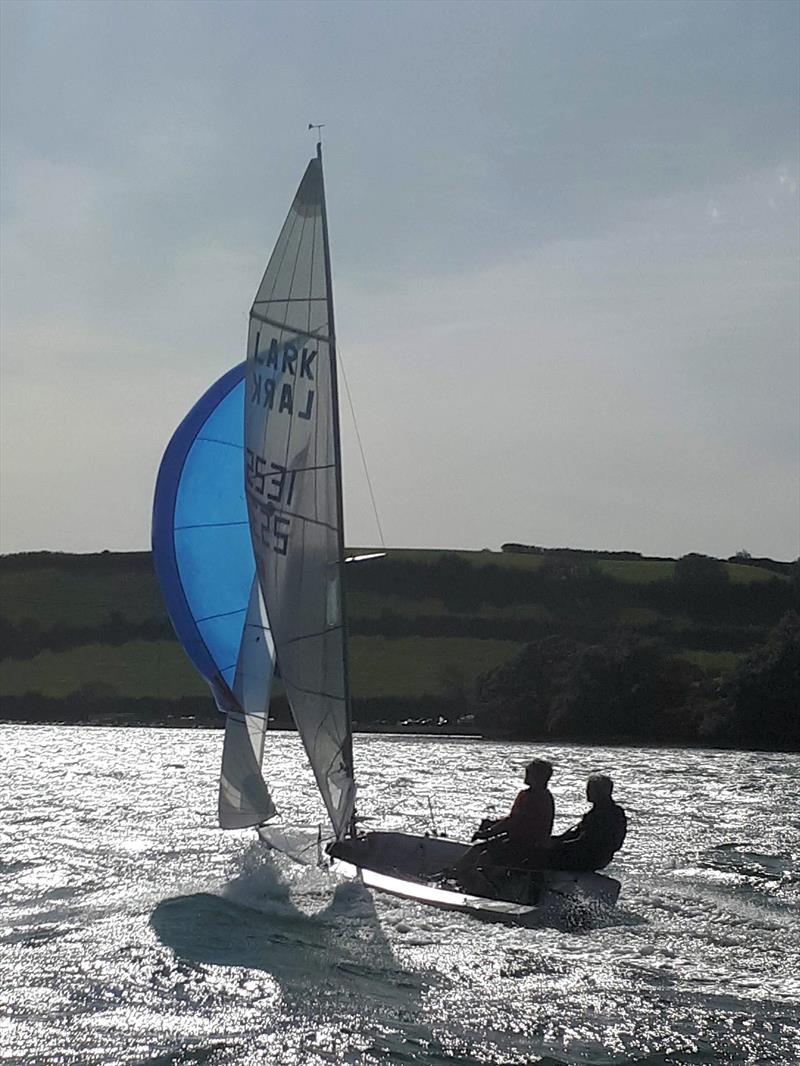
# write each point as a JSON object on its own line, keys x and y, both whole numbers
{"x": 292, "y": 489}
{"x": 244, "y": 798}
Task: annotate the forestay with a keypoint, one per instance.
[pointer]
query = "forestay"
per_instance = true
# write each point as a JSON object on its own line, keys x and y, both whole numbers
{"x": 292, "y": 489}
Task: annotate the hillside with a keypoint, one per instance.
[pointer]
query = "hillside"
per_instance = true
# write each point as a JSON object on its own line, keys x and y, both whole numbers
{"x": 85, "y": 637}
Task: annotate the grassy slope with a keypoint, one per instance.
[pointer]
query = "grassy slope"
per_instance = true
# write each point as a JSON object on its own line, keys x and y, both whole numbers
{"x": 416, "y": 666}
{"x": 411, "y": 667}
{"x": 138, "y": 668}
{"x": 408, "y": 667}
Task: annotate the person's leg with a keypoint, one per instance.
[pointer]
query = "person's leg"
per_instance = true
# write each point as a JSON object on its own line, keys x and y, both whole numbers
{"x": 569, "y": 855}
{"x": 536, "y": 858}
{"x": 470, "y": 860}
{"x": 497, "y": 851}
{"x": 476, "y": 883}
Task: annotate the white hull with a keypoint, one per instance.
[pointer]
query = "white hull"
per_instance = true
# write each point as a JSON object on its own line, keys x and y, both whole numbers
{"x": 403, "y": 865}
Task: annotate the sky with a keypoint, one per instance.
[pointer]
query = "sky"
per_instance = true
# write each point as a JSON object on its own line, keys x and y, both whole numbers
{"x": 565, "y": 259}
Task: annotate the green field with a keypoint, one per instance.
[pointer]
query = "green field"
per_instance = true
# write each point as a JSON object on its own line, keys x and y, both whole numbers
{"x": 419, "y": 666}
{"x": 138, "y": 668}
{"x": 414, "y": 667}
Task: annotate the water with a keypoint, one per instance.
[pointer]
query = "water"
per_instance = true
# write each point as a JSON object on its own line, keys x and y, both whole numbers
{"x": 134, "y": 931}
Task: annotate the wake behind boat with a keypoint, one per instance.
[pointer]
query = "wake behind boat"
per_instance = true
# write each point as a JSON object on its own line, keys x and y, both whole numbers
{"x": 248, "y": 546}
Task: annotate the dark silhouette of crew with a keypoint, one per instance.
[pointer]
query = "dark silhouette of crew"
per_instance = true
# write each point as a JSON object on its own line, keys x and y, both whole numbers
{"x": 513, "y": 840}
{"x": 593, "y": 842}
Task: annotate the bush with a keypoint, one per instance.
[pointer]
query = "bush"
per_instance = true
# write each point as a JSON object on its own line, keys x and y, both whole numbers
{"x": 515, "y": 698}
{"x": 625, "y": 687}
{"x": 701, "y": 584}
{"x": 622, "y": 688}
{"x": 765, "y": 691}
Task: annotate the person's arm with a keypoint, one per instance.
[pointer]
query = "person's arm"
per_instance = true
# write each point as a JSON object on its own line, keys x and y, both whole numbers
{"x": 569, "y": 834}
{"x": 488, "y": 828}
{"x": 491, "y": 828}
{"x": 498, "y": 827}
{"x": 575, "y": 833}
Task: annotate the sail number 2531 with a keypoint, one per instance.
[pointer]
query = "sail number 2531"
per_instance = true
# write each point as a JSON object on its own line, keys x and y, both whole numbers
{"x": 273, "y": 483}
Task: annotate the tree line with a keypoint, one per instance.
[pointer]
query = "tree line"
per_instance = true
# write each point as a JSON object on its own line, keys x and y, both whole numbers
{"x": 578, "y": 597}
{"x": 700, "y": 587}
{"x": 632, "y": 688}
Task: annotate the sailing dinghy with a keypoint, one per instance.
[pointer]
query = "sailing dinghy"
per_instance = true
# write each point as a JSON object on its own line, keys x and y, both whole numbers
{"x": 248, "y": 547}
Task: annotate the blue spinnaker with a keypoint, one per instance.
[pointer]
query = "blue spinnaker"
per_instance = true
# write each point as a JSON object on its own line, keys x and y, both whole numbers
{"x": 202, "y": 551}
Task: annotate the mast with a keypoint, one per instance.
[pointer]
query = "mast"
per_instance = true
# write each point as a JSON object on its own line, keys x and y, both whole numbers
{"x": 347, "y": 751}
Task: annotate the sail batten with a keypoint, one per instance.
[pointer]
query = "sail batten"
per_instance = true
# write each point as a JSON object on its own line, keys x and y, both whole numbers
{"x": 307, "y": 332}
{"x": 292, "y": 300}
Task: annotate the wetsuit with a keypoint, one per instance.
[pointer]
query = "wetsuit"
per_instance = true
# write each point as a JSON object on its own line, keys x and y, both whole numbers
{"x": 591, "y": 844}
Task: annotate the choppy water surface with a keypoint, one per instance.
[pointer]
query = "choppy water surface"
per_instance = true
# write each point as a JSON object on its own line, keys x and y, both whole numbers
{"x": 133, "y": 930}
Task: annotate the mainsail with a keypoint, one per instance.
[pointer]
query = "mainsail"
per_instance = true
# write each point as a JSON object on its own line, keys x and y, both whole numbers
{"x": 203, "y": 558}
{"x": 293, "y": 488}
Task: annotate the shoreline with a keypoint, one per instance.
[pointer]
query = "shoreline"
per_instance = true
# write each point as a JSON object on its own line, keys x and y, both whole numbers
{"x": 435, "y": 732}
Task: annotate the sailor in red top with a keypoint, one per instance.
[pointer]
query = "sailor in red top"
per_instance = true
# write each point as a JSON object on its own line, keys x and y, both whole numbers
{"x": 512, "y": 840}
{"x": 531, "y": 820}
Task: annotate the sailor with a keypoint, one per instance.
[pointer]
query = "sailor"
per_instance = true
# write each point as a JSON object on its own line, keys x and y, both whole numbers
{"x": 512, "y": 840}
{"x": 592, "y": 843}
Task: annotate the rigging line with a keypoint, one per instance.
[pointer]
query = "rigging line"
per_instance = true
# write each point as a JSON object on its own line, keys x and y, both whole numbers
{"x": 310, "y": 636}
{"x": 312, "y": 691}
{"x": 361, "y": 447}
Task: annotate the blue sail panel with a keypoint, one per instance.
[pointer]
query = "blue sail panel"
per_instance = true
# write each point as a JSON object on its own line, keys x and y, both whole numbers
{"x": 202, "y": 551}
